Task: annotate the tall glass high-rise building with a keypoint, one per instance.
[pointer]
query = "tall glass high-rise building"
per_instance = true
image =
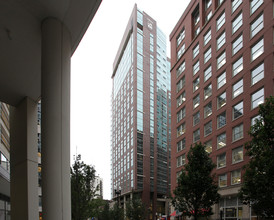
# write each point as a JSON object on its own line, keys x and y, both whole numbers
{"x": 140, "y": 151}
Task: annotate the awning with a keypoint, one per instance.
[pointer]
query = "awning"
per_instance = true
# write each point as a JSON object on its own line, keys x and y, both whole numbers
{"x": 173, "y": 213}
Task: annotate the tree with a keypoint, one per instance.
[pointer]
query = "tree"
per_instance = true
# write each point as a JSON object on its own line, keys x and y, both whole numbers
{"x": 117, "y": 213}
{"x": 82, "y": 189}
{"x": 97, "y": 206}
{"x": 135, "y": 209}
{"x": 258, "y": 185}
{"x": 105, "y": 214}
{"x": 196, "y": 191}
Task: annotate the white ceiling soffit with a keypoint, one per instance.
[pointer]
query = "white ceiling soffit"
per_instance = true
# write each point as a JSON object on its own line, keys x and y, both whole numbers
{"x": 20, "y": 40}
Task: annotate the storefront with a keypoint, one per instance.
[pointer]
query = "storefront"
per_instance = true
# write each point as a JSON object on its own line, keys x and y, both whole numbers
{"x": 231, "y": 208}
{"x": 4, "y": 208}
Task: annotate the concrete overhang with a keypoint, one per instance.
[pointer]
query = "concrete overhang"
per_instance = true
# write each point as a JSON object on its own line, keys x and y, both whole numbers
{"x": 20, "y": 41}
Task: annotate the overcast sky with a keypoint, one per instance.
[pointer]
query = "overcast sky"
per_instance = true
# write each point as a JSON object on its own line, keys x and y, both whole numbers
{"x": 91, "y": 70}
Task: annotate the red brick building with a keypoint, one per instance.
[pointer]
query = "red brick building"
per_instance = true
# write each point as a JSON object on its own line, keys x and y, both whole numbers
{"x": 221, "y": 70}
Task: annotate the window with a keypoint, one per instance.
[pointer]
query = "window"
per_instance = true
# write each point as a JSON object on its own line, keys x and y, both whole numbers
{"x": 221, "y": 40}
{"x": 181, "y": 68}
{"x": 257, "y": 49}
{"x": 221, "y": 80}
{"x": 220, "y": 2}
{"x": 180, "y": 84}
{"x": 223, "y": 180}
{"x": 196, "y": 118}
{"x": 237, "y": 88}
{"x": 221, "y": 100}
{"x": 181, "y": 129}
{"x": 208, "y": 3}
{"x": 196, "y": 135}
{"x": 237, "y": 132}
{"x": 221, "y": 120}
{"x": 208, "y": 16}
{"x": 140, "y": 17}
{"x": 221, "y": 160}
{"x": 235, "y": 177}
{"x": 181, "y": 145}
{"x": 207, "y": 91}
{"x": 196, "y": 50}
{"x": 254, "y": 5}
{"x": 181, "y": 99}
{"x": 207, "y": 73}
{"x": 237, "y": 45}
{"x": 237, "y": 155}
{"x": 4, "y": 163}
{"x": 221, "y": 60}
{"x": 237, "y": 23}
{"x": 151, "y": 46}
{"x": 196, "y": 67}
{"x": 255, "y": 119}
{"x": 178, "y": 174}
{"x": 235, "y": 4}
{"x": 221, "y": 140}
{"x": 181, "y": 160}
{"x": 220, "y": 21}
{"x": 207, "y": 55}
{"x": 196, "y": 16}
{"x": 238, "y": 110}
{"x": 237, "y": 66}
{"x": 196, "y": 101}
{"x": 197, "y": 31}
{"x": 196, "y": 84}
{"x": 181, "y": 36}
{"x": 208, "y": 110}
{"x": 257, "y": 25}
{"x": 208, "y": 146}
{"x": 207, "y": 37}
{"x": 257, "y": 98}
{"x": 181, "y": 51}
{"x": 181, "y": 114}
{"x": 257, "y": 74}
{"x": 208, "y": 128}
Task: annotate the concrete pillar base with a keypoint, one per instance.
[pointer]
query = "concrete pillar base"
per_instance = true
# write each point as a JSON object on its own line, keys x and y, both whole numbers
{"x": 24, "y": 165}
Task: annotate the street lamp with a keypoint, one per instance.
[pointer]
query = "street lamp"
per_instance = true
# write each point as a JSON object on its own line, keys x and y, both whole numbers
{"x": 118, "y": 193}
{"x": 166, "y": 205}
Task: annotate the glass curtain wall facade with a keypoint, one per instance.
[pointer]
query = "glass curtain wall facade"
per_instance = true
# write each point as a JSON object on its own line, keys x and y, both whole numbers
{"x": 122, "y": 151}
{"x": 163, "y": 114}
{"x": 140, "y": 141}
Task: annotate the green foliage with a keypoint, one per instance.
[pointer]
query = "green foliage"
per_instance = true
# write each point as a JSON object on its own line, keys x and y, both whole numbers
{"x": 97, "y": 207}
{"x": 258, "y": 186}
{"x": 105, "y": 214}
{"x": 196, "y": 191}
{"x": 135, "y": 209}
{"x": 82, "y": 190}
{"x": 117, "y": 212}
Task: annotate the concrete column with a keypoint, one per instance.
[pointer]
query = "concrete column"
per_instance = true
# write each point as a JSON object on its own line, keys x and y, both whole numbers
{"x": 55, "y": 125}
{"x": 125, "y": 206}
{"x": 24, "y": 165}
